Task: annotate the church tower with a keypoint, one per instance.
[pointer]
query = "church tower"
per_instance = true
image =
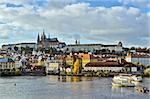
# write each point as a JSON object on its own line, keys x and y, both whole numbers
{"x": 38, "y": 39}
{"x": 43, "y": 37}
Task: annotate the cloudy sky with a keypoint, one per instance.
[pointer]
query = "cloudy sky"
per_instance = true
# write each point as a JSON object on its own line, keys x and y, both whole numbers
{"x": 91, "y": 21}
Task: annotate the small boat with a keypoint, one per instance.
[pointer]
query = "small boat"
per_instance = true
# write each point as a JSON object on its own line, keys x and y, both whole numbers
{"x": 129, "y": 77}
{"x": 123, "y": 83}
{"x": 142, "y": 89}
{"x": 34, "y": 71}
{"x": 126, "y": 80}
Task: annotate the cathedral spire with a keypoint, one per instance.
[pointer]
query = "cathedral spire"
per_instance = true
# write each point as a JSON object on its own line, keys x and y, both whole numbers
{"x": 43, "y": 37}
{"x": 38, "y": 39}
{"x": 44, "y": 34}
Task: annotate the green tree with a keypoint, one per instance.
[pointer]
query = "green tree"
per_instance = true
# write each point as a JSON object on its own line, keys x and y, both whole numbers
{"x": 147, "y": 71}
{"x": 9, "y": 48}
{"x": 132, "y": 48}
{"x": 16, "y": 48}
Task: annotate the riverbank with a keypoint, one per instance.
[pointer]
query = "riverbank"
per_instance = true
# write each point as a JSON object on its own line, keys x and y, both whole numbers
{"x": 96, "y": 74}
{"x": 63, "y": 73}
{"x": 10, "y": 73}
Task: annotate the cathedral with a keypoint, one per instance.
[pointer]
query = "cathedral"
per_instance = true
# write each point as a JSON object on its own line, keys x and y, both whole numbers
{"x": 44, "y": 42}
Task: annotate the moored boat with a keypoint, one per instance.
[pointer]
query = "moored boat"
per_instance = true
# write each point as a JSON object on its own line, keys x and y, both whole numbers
{"x": 123, "y": 83}
{"x": 142, "y": 89}
{"x": 126, "y": 80}
{"x": 129, "y": 77}
{"x": 34, "y": 71}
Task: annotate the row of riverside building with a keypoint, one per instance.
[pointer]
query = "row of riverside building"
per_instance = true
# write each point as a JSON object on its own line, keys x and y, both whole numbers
{"x": 113, "y": 58}
{"x": 88, "y": 62}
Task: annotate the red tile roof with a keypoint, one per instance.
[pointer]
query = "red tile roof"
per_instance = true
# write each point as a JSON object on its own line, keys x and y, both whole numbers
{"x": 103, "y": 64}
{"x": 109, "y": 64}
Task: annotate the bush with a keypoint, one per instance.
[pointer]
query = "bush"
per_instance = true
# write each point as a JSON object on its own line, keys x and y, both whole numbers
{"x": 147, "y": 71}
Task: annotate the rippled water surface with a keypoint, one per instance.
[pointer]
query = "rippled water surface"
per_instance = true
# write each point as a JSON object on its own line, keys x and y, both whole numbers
{"x": 53, "y": 87}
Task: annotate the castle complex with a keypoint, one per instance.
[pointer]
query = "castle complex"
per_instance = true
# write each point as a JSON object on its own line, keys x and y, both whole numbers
{"x": 46, "y": 42}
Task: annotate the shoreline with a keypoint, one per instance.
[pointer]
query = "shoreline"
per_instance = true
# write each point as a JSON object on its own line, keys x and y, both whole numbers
{"x": 79, "y": 75}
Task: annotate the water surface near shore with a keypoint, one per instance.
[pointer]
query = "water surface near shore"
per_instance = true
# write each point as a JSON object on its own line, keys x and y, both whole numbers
{"x": 54, "y": 87}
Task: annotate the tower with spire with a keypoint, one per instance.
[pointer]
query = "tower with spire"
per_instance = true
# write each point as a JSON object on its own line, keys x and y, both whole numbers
{"x": 43, "y": 37}
{"x": 38, "y": 39}
{"x": 48, "y": 42}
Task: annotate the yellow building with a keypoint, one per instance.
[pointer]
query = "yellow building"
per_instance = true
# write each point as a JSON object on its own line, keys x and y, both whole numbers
{"x": 77, "y": 66}
{"x": 86, "y": 58}
{"x": 7, "y": 64}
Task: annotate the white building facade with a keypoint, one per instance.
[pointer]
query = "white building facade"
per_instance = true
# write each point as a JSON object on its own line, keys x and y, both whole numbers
{"x": 93, "y": 47}
{"x": 110, "y": 66}
{"x": 53, "y": 66}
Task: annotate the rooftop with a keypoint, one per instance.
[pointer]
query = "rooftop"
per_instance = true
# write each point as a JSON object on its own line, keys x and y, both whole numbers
{"x": 5, "y": 60}
{"x": 109, "y": 64}
{"x": 103, "y": 64}
{"x": 139, "y": 55}
{"x": 18, "y": 44}
{"x": 92, "y": 45}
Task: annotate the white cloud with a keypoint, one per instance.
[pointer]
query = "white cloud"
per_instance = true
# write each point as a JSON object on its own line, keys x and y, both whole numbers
{"x": 70, "y": 18}
{"x": 140, "y": 3}
{"x": 4, "y": 33}
{"x": 134, "y": 11}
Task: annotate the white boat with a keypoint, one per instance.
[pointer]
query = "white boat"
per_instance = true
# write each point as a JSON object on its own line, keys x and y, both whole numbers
{"x": 129, "y": 77}
{"x": 123, "y": 83}
{"x": 126, "y": 80}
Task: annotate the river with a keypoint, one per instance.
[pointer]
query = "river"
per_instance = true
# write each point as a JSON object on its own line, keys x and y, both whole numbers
{"x": 52, "y": 87}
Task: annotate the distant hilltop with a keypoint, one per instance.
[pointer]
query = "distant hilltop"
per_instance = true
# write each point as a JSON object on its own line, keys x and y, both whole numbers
{"x": 45, "y": 43}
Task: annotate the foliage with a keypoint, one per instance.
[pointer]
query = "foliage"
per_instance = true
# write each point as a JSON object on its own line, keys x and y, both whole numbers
{"x": 132, "y": 48}
{"x": 147, "y": 71}
{"x": 16, "y": 48}
{"x": 138, "y": 64}
{"x": 27, "y": 50}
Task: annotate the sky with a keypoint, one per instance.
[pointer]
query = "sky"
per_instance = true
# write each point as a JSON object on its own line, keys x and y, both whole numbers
{"x": 90, "y": 21}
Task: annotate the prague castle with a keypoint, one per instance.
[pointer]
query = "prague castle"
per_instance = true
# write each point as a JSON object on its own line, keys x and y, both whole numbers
{"x": 44, "y": 42}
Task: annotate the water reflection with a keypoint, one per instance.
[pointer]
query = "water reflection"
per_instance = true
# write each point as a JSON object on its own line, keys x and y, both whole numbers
{"x": 128, "y": 90}
{"x": 66, "y": 87}
{"x": 70, "y": 78}
{"x": 73, "y": 78}
{"x": 122, "y": 90}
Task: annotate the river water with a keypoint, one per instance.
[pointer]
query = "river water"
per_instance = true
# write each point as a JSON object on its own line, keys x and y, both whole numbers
{"x": 53, "y": 87}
